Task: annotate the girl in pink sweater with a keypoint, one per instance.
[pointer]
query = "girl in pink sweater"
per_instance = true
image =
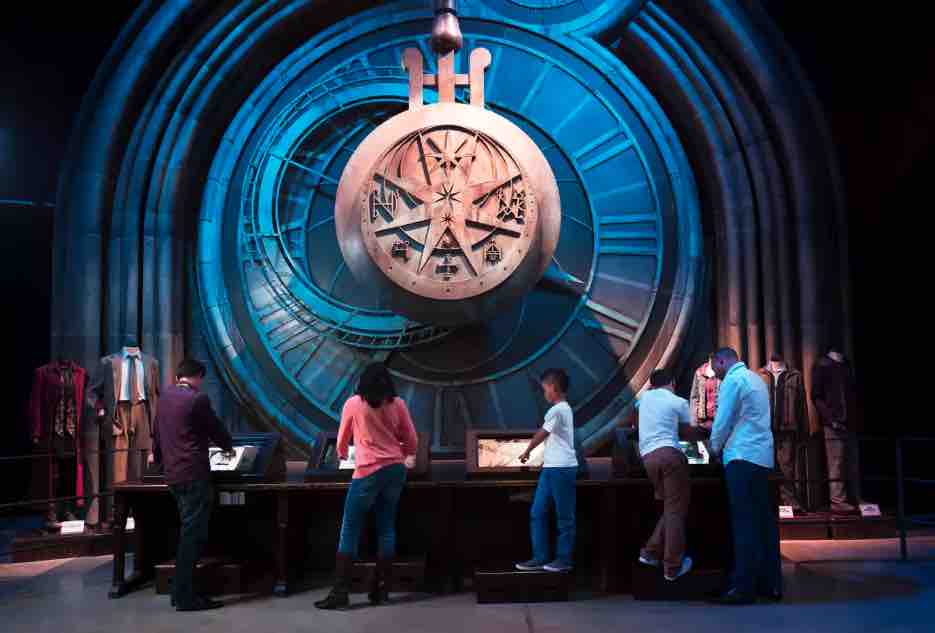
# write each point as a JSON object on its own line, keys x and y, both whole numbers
{"x": 378, "y": 423}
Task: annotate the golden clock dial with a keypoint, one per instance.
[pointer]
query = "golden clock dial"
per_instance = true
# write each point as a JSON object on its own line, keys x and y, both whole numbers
{"x": 448, "y": 213}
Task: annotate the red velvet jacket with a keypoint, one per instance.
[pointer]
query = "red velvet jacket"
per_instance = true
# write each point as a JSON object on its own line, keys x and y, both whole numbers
{"x": 46, "y": 392}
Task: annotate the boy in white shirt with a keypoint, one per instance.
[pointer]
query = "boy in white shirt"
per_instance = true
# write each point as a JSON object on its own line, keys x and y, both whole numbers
{"x": 556, "y": 484}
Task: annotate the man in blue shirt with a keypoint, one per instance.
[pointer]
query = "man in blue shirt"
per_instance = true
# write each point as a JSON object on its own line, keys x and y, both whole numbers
{"x": 742, "y": 435}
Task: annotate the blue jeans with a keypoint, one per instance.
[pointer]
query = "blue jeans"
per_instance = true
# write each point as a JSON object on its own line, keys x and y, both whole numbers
{"x": 194, "y": 500}
{"x": 756, "y": 535}
{"x": 556, "y": 488}
{"x": 382, "y": 490}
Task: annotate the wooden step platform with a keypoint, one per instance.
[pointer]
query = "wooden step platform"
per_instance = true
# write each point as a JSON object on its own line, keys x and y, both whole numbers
{"x": 33, "y": 547}
{"x": 216, "y": 577}
{"x": 505, "y": 585}
{"x": 698, "y": 584}
{"x": 406, "y": 576}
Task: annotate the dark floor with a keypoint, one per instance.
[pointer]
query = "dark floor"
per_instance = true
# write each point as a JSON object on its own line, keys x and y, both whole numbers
{"x": 850, "y": 586}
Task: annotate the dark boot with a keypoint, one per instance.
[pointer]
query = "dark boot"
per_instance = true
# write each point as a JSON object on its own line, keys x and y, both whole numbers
{"x": 337, "y": 598}
{"x": 379, "y": 591}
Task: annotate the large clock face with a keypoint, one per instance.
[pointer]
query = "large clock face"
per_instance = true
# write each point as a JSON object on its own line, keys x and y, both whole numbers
{"x": 449, "y": 212}
{"x": 298, "y": 328}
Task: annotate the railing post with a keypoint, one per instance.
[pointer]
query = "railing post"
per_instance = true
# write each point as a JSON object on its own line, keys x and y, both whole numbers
{"x": 900, "y": 500}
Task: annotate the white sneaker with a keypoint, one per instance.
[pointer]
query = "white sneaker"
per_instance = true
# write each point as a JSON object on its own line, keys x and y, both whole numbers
{"x": 686, "y": 567}
{"x": 530, "y": 565}
{"x": 557, "y": 566}
{"x": 646, "y": 560}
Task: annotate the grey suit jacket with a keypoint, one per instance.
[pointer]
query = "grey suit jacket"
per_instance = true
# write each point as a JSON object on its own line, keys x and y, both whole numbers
{"x": 106, "y": 385}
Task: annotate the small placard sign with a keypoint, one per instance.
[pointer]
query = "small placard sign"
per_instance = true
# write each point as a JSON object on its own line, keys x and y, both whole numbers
{"x": 869, "y": 510}
{"x": 786, "y": 512}
{"x": 72, "y": 527}
{"x": 232, "y": 498}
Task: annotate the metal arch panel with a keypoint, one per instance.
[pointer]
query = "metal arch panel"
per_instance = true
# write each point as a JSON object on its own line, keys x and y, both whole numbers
{"x": 87, "y": 192}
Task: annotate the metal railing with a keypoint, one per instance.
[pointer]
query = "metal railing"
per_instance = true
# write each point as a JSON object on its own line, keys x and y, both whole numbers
{"x": 32, "y": 506}
{"x": 904, "y": 521}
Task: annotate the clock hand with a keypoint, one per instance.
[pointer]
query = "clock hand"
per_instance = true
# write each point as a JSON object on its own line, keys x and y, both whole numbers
{"x": 422, "y": 193}
{"x": 432, "y": 237}
{"x": 477, "y": 192}
{"x": 469, "y": 156}
{"x": 416, "y": 215}
{"x": 498, "y": 226}
{"x": 457, "y": 229}
{"x": 558, "y": 279}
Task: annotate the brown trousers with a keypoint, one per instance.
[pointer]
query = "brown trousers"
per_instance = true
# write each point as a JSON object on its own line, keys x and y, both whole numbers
{"x": 132, "y": 441}
{"x": 668, "y": 470}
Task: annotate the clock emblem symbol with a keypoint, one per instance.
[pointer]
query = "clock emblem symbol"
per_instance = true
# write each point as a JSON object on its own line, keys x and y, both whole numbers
{"x": 458, "y": 214}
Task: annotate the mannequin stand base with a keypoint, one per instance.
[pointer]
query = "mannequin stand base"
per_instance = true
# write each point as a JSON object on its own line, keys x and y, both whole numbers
{"x": 825, "y": 525}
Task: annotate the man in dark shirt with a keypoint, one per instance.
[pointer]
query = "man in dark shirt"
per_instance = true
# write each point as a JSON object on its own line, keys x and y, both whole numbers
{"x": 185, "y": 426}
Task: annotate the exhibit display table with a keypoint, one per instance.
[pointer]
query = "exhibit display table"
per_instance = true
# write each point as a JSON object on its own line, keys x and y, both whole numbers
{"x": 456, "y": 525}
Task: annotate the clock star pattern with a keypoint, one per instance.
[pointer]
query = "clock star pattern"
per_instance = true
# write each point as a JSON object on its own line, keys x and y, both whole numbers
{"x": 449, "y": 192}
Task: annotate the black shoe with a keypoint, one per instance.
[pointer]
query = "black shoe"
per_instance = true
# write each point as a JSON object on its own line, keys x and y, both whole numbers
{"x": 770, "y": 596}
{"x": 337, "y": 597}
{"x": 198, "y": 596}
{"x": 733, "y": 597}
{"x": 334, "y": 600}
{"x": 379, "y": 595}
{"x": 200, "y": 604}
{"x": 379, "y": 590}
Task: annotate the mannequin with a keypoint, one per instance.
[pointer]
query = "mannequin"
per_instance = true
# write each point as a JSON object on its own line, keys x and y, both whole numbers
{"x": 789, "y": 413}
{"x": 124, "y": 395}
{"x": 55, "y": 416}
{"x": 703, "y": 399}
{"x": 834, "y": 395}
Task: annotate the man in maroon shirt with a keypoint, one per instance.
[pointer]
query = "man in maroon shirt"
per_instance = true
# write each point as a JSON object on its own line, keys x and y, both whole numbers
{"x": 185, "y": 426}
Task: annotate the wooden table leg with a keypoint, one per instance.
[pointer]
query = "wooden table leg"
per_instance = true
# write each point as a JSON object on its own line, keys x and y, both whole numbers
{"x": 118, "y": 584}
{"x": 606, "y": 553}
{"x": 281, "y": 588}
{"x": 441, "y": 567}
{"x": 144, "y": 567}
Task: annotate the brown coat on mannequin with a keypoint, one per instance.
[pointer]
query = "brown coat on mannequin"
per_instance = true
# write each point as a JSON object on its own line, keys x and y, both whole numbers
{"x": 788, "y": 402}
